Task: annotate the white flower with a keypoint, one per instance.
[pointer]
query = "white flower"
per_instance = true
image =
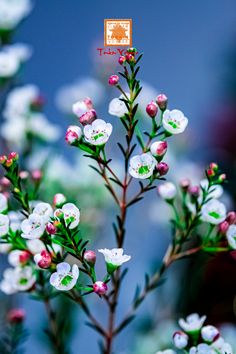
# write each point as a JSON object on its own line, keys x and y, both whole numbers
{"x": 64, "y": 278}
{"x": 5, "y": 247}
{"x": 40, "y": 126}
{"x": 12, "y": 12}
{"x": 174, "y": 122}
{"x": 79, "y": 108}
{"x": 15, "y": 218}
{"x": 21, "y": 51}
{"x": 142, "y": 166}
{"x": 98, "y": 132}
{"x": 33, "y": 227}
{"x": 4, "y": 224}
{"x": 3, "y": 203}
{"x": 213, "y": 212}
{"x": 192, "y": 323}
{"x": 71, "y": 215}
{"x": 9, "y": 64}
{"x": 35, "y": 246}
{"x": 209, "y": 333}
{"x": 17, "y": 279}
{"x": 44, "y": 210}
{"x": 231, "y": 236}
{"x": 202, "y": 349}
{"x": 115, "y": 256}
{"x": 180, "y": 339}
{"x": 167, "y": 191}
{"x": 117, "y": 107}
{"x": 14, "y": 258}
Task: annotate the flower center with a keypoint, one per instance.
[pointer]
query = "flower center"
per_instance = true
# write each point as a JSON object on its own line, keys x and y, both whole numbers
{"x": 66, "y": 280}
{"x": 143, "y": 170}
{"x": 173, "y": 124}
{"x": 23, "y": 281}
{"x": 98, "y": 135}
{"x": 214, "y": 214}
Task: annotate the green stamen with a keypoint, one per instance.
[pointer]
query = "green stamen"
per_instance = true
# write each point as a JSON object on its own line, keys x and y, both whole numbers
{"x": 214, "y": 214}
{"x": 99, "y": 135}
{"x": 143, "y": 170}
{"x": 66, "y": 280}
{"x": 173, "y": 124}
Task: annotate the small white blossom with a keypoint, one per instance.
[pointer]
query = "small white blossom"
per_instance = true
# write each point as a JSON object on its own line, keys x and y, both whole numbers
{"x": 21, "y": 51}
{"x": 142, "y": 166}
{"x": 40, "y": 126}
{"x": 64, "y": 278}
{"x": 35, "y": 246}
{"x": 14, "y": 258}
{"x": 3, "y": 203}
{"x": 9, "y": 64}
{"x": 213, "y": 212}
{"x": 79, "y": 108}
{"x": 215, "y": 191}
{"x": 202, "y": 349}
{"x": 71, "y": 215}
{"x": 33, "y": 227}
{"x": 117, "y": 107}
{"x": 12, "y": 12}
{"x": 44, "y": 210}
{"x": 174, "y": 122}
{"x": 231, "y": 236}
{"x": 115, "y": 256}
{"x": 167, "y": 191}
{"x": 98, "y": 132}
{"x": 192, "y": 323}
{"x": 17, "y": 279}
{"x": 209, "y": 333}
{"x": 180, "y": 340}
{"x": 5, "y": 247}
{"x": 4, "y": 224}
{"x": 15, "y": 218}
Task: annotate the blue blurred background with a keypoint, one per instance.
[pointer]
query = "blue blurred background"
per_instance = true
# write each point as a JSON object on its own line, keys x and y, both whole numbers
{"x": 187, "y": 46}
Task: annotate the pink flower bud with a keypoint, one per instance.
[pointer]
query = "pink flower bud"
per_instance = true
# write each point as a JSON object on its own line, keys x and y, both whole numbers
{"x": 158, "y": 148}
{"x": 194, "y": 191}
{"x": 113, "y": 80}
{"x": 43, "y": 259}
{"x": 51, "y": 229}
{"x": 90, "y": 257}
{"x": 9, "y": 163}
{"x": 3, "y": 159}
{"x": 121, "y": 60}
{"x": 4, "y": 182}
{"x": 88, "y": 102}
{"x": 210, "y": 172}
{"x": 213, "y": 166}
{"x": 222, "y": 178}
{"x": 130, "y": 58}
{"x": 162, "y": 100}
{"x": 100, "y": 287}
{"x": 15, "y": 316}
{"x": 88, "y": 117}
{"x": 162, "y": 168}
{"x": 223, "y": 227}
{"x": 36, "y": 175}
{"x": 231, "y": 217}
{"x": 24, "y": 257}
{"x": 59, "y": 199}
{"x": 152, "y": 109}
{"x": 73, "y": 134}
{"x": 13, "y": 155}
{"x": 24, "y": 174}
{"x": 185, "y": 184}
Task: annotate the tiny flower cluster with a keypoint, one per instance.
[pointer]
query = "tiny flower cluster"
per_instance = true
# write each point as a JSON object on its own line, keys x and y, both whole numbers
{"x": 195, "y": 338}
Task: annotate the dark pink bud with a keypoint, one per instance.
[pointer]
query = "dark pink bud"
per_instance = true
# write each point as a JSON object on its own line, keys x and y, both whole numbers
{"x": 88, "y": 102}
{"x": 213, "y": 166}
{"x": 223, "y": 227}
{"x": 158, "y": 148}
{"x": 90, "y": 257}
{"x": 113, "y": 80}
{"x": 43, "y": 259}
{"x": 185, "y": 184}
{"x": 162, "y": 100}
{"x": 51, "y": 229}
{"x": 152, "y": 109}
{"x": 210, "y": 172}
{"x": 36, "y": 175}
{"x": 162, "y": 168}
{"x": 88, "y": 117}
{"x": 121, "y": 60}
{"x": 3, "y": 159}
{"x": 13, "y": 155}
{"x": 15, "y": 316}
{"x": 100, "y": 287}
{"x": 231, "y": 217}
{"x": 194, "y": 191}
{"x": 130, "y": 58}
{"x": 24, "y": 257}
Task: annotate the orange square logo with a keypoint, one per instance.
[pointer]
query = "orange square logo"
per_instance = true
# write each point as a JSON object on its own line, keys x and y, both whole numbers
{"x": 118, "y": 32}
